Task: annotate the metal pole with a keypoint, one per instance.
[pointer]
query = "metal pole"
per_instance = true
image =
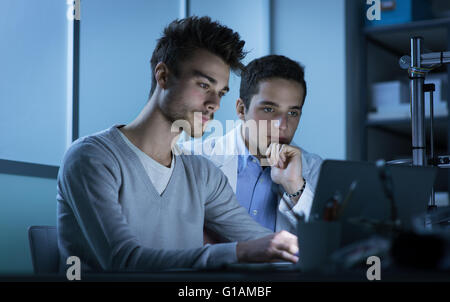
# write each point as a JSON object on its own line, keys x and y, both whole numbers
{"x": 431, "y": 88}
{"x": 431, "y": 126}
{"x": 417, "y": 105}
{"x": 433, "y": 200}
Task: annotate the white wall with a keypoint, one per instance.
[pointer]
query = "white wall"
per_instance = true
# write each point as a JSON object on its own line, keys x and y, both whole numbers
{"x": 252, "y": 21}
{"x": 33, "y": 73}
{"x": 117, "y": 39}
{"x": 313, "y": 33}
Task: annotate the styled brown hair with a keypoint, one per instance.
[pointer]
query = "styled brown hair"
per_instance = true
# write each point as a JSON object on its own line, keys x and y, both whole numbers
{"x": 183, "y": 36}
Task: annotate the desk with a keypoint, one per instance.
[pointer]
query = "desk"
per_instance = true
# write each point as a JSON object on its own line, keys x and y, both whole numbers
{"x": 387, "y": 275}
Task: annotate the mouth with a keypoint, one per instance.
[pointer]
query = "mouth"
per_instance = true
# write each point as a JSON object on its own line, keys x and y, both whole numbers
{"x": 205, "y": 119}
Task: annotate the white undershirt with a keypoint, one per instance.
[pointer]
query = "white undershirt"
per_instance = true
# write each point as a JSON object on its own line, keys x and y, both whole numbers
{"x": 159, "y": 174}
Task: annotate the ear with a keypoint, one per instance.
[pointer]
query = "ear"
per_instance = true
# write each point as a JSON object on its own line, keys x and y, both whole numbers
{"x": 240, "y": 109}
{"x": 162, "y": 75}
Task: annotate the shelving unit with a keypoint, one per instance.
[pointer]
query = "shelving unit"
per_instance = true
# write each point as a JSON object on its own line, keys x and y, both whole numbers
{"x": 382, "y": 48}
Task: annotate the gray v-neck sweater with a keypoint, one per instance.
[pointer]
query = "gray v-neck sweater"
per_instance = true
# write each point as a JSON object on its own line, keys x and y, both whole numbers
{"x": 112, "y": 218}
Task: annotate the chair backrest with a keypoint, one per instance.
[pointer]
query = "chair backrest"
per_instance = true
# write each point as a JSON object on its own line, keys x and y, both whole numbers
{"x": 44, "y": 249}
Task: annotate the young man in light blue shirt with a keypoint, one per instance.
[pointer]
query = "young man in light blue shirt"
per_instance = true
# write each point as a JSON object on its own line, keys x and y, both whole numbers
{"x": 274, "y": 180}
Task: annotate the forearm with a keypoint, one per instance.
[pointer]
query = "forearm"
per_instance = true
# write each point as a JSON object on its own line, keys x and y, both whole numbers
{"x": 208, "y": 256}
{"x": 237, "y": 225}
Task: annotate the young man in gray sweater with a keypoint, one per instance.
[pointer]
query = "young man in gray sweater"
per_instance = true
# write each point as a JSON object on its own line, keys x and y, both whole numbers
{"x": 126, "y": 202}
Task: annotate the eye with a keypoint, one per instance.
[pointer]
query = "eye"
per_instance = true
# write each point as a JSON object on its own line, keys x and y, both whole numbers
{"x": 293, "y": 113}
{"x": 203, "y": 85}
{"x": 268, "y": 109}
{"x": 221, "y": 94}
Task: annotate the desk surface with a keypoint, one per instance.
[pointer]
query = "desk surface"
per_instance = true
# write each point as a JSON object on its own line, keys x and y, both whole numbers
{"x": 235, "y": 275}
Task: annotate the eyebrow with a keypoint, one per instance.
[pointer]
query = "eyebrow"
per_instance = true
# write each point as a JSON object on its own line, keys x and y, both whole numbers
{"x": 276, "y": 105}
{"x": 198, "y": 73}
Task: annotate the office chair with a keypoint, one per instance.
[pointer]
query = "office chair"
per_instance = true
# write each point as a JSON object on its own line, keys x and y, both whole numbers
{"x": 44, "y": 249}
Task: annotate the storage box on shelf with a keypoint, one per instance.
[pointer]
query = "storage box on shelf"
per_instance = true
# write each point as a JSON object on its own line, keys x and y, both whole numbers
{"x": 390, "y": 100}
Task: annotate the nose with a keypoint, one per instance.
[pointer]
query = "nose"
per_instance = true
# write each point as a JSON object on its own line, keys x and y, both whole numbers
{"x": 281, "y": 123}
{"x": 213, "y": 103}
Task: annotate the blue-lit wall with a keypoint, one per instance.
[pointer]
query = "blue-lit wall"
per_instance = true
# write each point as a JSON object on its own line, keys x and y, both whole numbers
{"x": 33, "y": 73}
{"x": 33, "y": 106}
{"x": 117, "y": 39}
{"x": 313, "y": 32}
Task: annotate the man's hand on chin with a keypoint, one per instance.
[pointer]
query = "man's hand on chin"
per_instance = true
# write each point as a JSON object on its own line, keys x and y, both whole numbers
{"x": 286, "y": 167}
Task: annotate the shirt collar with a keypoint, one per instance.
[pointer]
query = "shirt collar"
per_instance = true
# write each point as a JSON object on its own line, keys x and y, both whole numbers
{"x": 242, "y": 150}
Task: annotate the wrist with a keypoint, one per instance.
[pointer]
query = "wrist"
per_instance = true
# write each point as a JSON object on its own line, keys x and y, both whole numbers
{"x": 294, "y": 197}
{"x": 293, "y": 186}
{"x": 241, "y": 251}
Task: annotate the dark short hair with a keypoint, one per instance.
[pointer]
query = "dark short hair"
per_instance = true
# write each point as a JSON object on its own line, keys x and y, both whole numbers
{"x": 183, "y": 36}
{"x": 267, "y": 67}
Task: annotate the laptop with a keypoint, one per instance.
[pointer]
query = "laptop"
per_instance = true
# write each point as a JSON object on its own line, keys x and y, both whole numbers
{"x": 411, "y": 189}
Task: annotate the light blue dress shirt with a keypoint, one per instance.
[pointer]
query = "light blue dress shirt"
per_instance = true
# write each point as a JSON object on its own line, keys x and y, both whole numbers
{"x": 256, "y": 192}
